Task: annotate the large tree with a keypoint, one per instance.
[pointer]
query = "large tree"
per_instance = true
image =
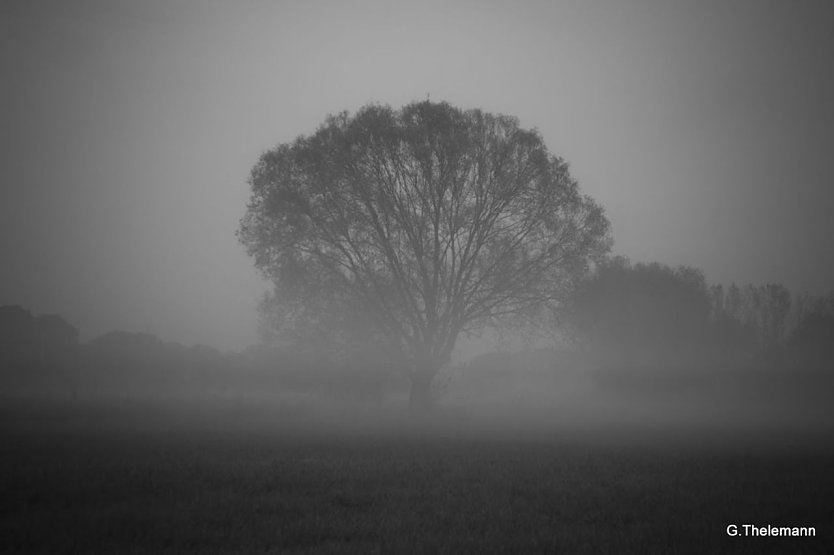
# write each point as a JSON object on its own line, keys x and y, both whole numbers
{"x": 423, "y": 223}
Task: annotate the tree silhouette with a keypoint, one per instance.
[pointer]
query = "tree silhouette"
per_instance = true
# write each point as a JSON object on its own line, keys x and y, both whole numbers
{"x": 811, "y": 344}
{"x": 419, "y": 224}
{"x": 642, "y": 316}
{"x": 57, "y": 336}
{"x": 127, "y": 344}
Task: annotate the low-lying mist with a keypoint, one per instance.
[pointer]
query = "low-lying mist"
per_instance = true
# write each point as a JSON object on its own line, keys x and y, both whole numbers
{"x": 539, "y": 394}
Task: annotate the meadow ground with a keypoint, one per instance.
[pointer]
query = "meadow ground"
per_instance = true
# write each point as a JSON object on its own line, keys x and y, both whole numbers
{"x": 134, "y": 477}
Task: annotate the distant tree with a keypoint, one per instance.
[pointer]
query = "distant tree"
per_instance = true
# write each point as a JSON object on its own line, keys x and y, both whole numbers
{"x": 811, "y": 344}
{"x": 124, "y": 343}
{"x": 643, "y": 315}
{"x": 733, "y": 339}
{"x": 14, "y": 318}
{"x": 57, "y": 336}
{"x": 36, "y": 353}
{"x": 130, "y": 361}
{"x": 775, "y": 307}
{"x": 418, "y": 225}
{"x": 759, "y": 318}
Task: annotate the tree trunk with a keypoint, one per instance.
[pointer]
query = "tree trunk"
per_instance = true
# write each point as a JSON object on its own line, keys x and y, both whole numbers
{"x": 426, "y": 367}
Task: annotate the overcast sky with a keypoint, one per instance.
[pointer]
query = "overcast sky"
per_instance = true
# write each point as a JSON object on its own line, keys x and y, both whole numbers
{"x": 705, "y": 128}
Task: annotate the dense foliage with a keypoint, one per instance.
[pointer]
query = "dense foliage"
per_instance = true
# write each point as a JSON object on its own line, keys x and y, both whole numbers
{"x": 418, "y": 224}
{"x": 650, "y": 316}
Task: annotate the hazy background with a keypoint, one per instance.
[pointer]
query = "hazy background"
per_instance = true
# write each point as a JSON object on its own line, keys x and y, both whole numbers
{"x": 128, "y": 130}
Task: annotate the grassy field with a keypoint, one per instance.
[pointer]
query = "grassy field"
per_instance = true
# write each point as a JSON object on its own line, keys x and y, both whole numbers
{"x": 159, "y": 478}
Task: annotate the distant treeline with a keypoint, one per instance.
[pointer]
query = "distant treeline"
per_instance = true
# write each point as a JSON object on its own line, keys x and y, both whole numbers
{"x": 626, "y": 321}
{"x": 43, "y": 354}
{"x": 632, "y": 317}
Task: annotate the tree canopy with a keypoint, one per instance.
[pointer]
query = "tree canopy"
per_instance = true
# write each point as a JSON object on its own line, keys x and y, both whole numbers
{"x": 642, "y": 315}
{"x": 422, "y": 223}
